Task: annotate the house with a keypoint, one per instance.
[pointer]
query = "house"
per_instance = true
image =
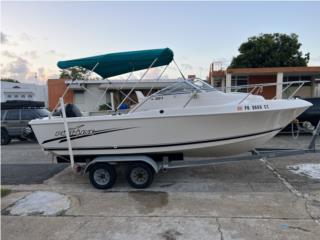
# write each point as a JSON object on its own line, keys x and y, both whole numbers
{"x": 23, "y": 91}
{"x": 226, "y": 79}
{"x": 94, "y": 95}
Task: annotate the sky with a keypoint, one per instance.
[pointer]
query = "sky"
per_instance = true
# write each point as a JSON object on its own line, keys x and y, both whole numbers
{"x": 35, "y": 35}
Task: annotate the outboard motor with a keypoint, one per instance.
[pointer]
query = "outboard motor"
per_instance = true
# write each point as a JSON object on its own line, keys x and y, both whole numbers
{"x": 71, "y": 111}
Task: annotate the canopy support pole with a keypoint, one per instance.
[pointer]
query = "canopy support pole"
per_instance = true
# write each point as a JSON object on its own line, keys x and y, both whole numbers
{"x": 179, "y": 69}
{"x": 65, "y": 123}
{"x": 154, "y": 61}
{"x": 158, "y": 79}
{"x": 91, "y": 71}
{"x": 93, "y": 94}
{"x": 120, "y": 89}
{"x": 66, "y": 90}
{"x": 99, "y": 100}
{"x": 112, "y": 101}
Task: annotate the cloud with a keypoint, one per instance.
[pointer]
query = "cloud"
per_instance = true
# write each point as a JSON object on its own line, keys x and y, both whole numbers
{"x": 7, "y": 40}
{"x": 41, "y": 73}
{"x": 31, "y": 54}
{"x": 4, "y": 38}
{"x": 8, "y": 54}
{"x": 55, "y": 53}
{"x": 25, "y": 37}
{"x": 186, "y": 66}
{"x": 221, "y": 63}
{"x": 17, "y": 69}
{"x": 153, "y": 73}
{"x": 21, "y": 69}
{"x": 45, "y": 73}
{"x": 27, "y": 54}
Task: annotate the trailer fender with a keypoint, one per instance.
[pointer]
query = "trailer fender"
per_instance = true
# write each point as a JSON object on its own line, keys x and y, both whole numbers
{"x": 117, "y": 159}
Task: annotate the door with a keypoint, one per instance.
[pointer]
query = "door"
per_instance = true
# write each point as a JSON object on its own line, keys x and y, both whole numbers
{"x": 26, "y": 116}
{"x": 12, "y": 121}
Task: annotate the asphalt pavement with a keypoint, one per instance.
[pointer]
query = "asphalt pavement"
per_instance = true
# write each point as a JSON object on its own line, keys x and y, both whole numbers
{"x": 24, "y": 152}
{"x": 24, "y": 162}
{"x": 29, "y": 173}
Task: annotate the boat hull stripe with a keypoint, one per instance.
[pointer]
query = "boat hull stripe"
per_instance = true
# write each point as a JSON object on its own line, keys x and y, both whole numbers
{"x": 166, "y": 145}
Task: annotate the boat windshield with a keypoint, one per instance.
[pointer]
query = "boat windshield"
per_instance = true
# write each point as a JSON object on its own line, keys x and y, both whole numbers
{"x": 177, "y": 88}
{"x": 186, "y": 87}
{"x": 203, "y": 85}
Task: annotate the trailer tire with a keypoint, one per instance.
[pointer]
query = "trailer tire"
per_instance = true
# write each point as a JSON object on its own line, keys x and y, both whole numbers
{"x": 102, "y": 176}
{"x": 140, "y": 175}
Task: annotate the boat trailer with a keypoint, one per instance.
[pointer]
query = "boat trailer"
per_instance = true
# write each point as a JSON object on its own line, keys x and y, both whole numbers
{"x": 140, "y": 169}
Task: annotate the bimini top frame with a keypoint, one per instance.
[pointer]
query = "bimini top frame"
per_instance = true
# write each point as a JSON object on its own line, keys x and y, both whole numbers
{"x": 114, "y": 64}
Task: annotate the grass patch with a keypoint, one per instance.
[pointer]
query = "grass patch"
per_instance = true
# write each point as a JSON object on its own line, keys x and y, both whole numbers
{"x": 5, "y": 192}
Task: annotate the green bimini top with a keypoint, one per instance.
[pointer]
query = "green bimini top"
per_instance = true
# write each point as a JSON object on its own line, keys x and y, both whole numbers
{"x": 113, "y": 64}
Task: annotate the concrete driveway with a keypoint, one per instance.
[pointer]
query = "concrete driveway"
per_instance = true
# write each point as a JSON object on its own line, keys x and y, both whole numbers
{"x": 247, "y": 200}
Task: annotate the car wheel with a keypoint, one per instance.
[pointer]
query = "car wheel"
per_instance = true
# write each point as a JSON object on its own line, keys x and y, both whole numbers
{"x": 102, "y": 176}
{"x": 5, "y": 138}
{"x": 139, "y": 175}
{"x": 28, "y": 134}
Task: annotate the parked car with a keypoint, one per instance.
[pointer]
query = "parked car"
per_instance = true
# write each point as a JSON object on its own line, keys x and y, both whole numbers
{"x": 311, "y": 116}
{"x": 15, "y": 118}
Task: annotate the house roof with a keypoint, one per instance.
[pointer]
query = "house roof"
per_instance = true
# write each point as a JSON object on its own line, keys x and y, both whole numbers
{"x": 268, "y": 70}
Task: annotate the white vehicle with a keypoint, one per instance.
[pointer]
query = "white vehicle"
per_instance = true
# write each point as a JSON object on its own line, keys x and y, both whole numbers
{"x": 187, "y": 119}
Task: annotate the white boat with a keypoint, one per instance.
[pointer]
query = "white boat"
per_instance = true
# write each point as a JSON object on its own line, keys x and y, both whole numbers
{"x": 189, "y": 118}
{"x": 195, "y": 120}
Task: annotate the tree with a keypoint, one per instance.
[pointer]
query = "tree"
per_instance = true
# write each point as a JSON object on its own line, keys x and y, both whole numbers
{"x": 270, "y": 50}
{"x": 9, "y": 80}
{"x": 74, "y": 73}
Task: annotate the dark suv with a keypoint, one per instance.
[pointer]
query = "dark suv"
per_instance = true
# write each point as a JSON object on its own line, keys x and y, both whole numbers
{"x": 15, "y": 118}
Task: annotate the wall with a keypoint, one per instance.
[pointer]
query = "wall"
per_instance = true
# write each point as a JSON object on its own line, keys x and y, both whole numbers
{"x": 90, "y": 100}
{"x": 268, "y": 92}
{"x": 23, "y": 91}
{"x": 304, "y": 92}
{"x": 56, "y": 87}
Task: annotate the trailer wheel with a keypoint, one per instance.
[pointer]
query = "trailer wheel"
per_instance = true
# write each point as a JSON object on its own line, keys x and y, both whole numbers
{"x": 140, "y": 175}
{"x": 102, "y": 176}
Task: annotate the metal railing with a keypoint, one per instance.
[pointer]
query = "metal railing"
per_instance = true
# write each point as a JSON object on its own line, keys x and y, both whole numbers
{"x": 258, "y": 88}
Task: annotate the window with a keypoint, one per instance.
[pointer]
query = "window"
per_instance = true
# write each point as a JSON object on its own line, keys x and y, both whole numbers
{"x": 9, "y": 96}
{"x": 237, "y": 81}
{"x": 217, "y": 83}
{"x": 3, "y": 112}
{"x": 13, "y": 114}
{"x": 29, "y": 96}
{"x": 298, "y": 78}
{"x": 27, "y": 114}
{"x": 23, "y": 96}
{"x": 41, "y": 112}
{"x": 16, "y": 96}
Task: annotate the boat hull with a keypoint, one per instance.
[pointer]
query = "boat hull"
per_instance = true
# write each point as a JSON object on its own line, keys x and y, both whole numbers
{"x": 203, "y": 135}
